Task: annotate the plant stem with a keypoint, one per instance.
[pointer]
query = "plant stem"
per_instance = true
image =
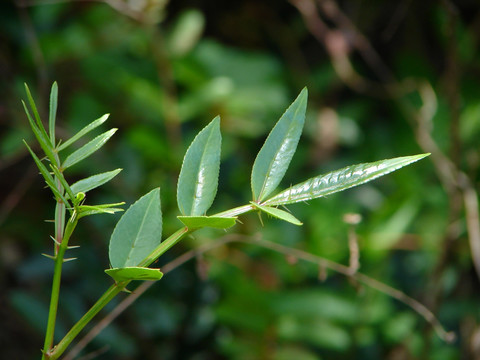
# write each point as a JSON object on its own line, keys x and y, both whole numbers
{"x": 57, "y": 275}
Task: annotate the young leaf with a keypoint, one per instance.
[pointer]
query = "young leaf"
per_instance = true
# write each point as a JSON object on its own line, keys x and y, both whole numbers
{"x": 53, "y": 111}
{"x": 198, "y": 180}
{"x": 94, "y": 124}
{"x": 88, "y": 149}
{"x": 275, "y": 155}
{"x": 340, "y": 180}
{"x": 94, "y": 181}
{"x": 86, "y": 210}
{"x": 277, "y": 213}
{"x": 134, "y": 273}
{"x": 41, "y": 136}
{"x": 197, "y": 222}
{"x": 46, "y": 175}
{"x": 138, "y": 232}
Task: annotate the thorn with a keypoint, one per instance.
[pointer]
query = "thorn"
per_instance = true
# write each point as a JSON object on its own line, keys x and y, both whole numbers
{"x": 50, "y": 256}
{"x": 54, "y": 240}
{"x": 69, "y": 259}
{"x": 127, "y": 291}
{"x": 73, "y": 247}
{"x": 260, "y": 218}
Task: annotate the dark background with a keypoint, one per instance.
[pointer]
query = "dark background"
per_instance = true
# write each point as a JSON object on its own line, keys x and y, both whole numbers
{"x": 385, "y": 79}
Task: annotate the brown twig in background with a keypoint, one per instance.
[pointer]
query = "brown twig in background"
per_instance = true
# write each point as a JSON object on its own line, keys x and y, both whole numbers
{"x": 290, "y": 253}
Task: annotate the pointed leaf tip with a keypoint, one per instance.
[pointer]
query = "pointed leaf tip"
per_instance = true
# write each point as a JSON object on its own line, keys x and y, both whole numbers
{"x": 138, "y": 232}
{"x": 275, "y": 155}
{"x": 198, "y": 179}
{"x": 339, "y": 180}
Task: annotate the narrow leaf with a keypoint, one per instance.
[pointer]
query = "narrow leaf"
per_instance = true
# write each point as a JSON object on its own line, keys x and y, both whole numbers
{"x": 88, "y": 149}
{"x": 87, "y": 210}
{"x": 275, "y": 155}
{"x": 198, "y": 180}
{"x": 53, "y": 111}
{"x": 46, "y": 175}
{"x": 197, "y": 222}
{"x": 41, "y": 136}
{"x": 277, "y": 213}
{"x": 34, "y": 109}
{"x": 64, "y": 183}
{"x": 94, "y": 181}
{"x": 340, "y": 180}
{"x": 94, "y": 124}
{"x": 138, "y": 232}
{"x": 134, "y": 273}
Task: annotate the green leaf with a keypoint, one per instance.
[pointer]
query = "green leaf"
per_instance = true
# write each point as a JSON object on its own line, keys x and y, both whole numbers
{"x": 138, "y": 232}
{"x": 34, "y": 109}
{"x": 197, "y": 222}
{"x": 88, "y": 149}
{"x": 340, "y": 180}
{"x": 41, "y": 136}
{"x": 94, "y": 181}
{"x": 53, "y": 111}
{"x": 275, "y": 155}
{"x": 134, "y": 273}
{"x": 63, "y": 182}
{"x": 277, "y": 213}
{"x": 93, "y": 125}
{"x": 86, "y": 210}
{"x": 46, "y": 175}
{"x": 198, "y": 180}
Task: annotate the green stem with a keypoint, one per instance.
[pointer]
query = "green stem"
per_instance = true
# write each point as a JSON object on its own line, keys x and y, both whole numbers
{"x": 114, "y": 290}
{"x": 57, "y": 275}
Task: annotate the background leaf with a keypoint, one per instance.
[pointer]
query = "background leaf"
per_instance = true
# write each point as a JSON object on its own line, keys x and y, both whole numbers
{"x": 339, "y": 180}
{"x": 275, "y": 155}
{"x": 138, "y": 232}
{"x": 198, "y": 180}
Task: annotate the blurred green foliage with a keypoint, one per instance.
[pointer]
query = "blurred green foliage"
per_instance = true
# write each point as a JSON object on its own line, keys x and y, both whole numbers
{"x": 164, "y": 71}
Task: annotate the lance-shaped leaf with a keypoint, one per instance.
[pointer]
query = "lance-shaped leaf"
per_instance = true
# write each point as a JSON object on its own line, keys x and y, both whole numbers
{"x": 87, "y": 210}
{"x": 340, "y": 180}
{"x": 138, "y": 232}
{"x": 41, "y": 135}
{"x": 197, "y": 222}
{"x": 88, "y": 149}
{"x": 53, "y": 111}
{"x": 46, "y": 175}
{"x": 277, "y": 213}
{"x": 134, "y": 273}
{"x": 275, "y": 155}
{"x": 94, "y": 181}
{"x": 93, "y": 125}
{"x": 198, "y": 180}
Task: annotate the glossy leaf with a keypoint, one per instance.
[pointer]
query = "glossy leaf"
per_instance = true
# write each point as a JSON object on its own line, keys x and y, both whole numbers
{"x": 93, "y": 125}
{"x": 88, "y": 149}
{"x": 198, "y": 180}
{"x": 138, "y": 232}
{"x": 275, "y": 155}
{"x": 340, "y": 180}
{"x": 277, "y": 213}
{"x": 197, "y": 222}
{"x": 53, "y": 111}
{"x": 94, "y": 181}
{"x": 134, "y": 273}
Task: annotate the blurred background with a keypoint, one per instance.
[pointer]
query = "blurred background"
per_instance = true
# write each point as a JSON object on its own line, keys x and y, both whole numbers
{"x": 385, "y": 79}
